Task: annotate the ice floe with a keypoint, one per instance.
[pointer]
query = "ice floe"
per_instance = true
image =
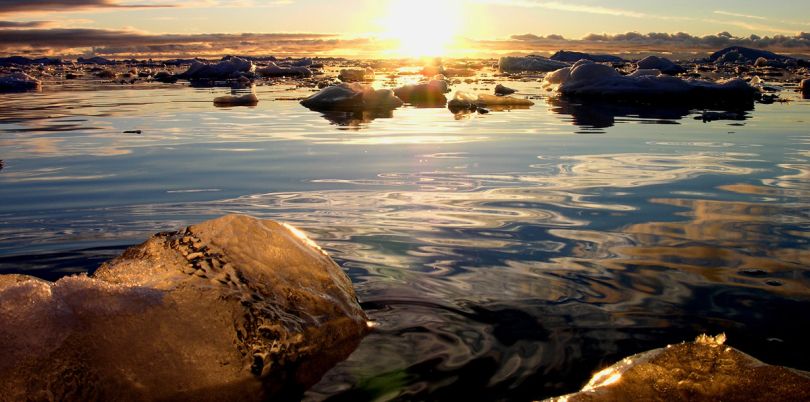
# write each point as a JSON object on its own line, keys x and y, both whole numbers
{"x": 351, "y": 97}
{"x": 356, "y": 74}
{"x": 231, "y": 67}
{"x": 425, "y": 94}
{"x": 234, "y": 100}
{"x": 573, "y": 57}
{"x": 661, "y": 64}
{"x": 467, "y": 102}
{"x": 529, "y": 63}
{"x": 274, "y": 70}
{"x": 18, "y": 82}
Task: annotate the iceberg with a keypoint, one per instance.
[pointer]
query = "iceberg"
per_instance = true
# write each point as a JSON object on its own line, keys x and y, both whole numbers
{"x": 356, "y": 75}
{"x": 352, "y": 97}
{"x": 704, "y": 370}
{"x": 661, "y": 64}
{"x": 601, "y": 82}
{"x": 231, "y": 67}
{"x": 528, "y": 63}
{"x": 19, "y": 82}
{"x": 274, "y": 70}
{"x": 425, "y": 94}
{"x": 744, "y": 55}
{"x": 231, "y": 309}
{"x": 573, "y": 57}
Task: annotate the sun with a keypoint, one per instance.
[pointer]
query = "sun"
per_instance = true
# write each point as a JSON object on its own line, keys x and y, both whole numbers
{"x": 422, "y": 28}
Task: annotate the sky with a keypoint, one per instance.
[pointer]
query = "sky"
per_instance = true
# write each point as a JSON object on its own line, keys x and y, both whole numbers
{"x": 394, "y": 28}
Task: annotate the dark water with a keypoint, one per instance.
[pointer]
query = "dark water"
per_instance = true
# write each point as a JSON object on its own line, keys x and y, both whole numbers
{"x": 504, "y": 256}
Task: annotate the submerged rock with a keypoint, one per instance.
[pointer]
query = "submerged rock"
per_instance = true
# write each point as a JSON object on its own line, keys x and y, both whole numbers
{"x": 529, "y": 63}
{"x": 356, "y": 75}
{"x": 231, "y": 309}
{"x": 244, "y": 100}
{"x": 661, "y": 64}
{"x": 19, "y": 82}
{"x": 425, "y": 94}
{"x": 352, "y": 97}
{"x": 598, "y": 81}
{"x": 573, "y": 57}
{"x": 274, "y": 70}
{"x": 231, "y": 67}
{"x": 705, "y": 370}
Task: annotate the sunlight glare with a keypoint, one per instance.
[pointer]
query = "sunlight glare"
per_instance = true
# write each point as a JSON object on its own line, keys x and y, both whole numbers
{"x": 422, "y": 28}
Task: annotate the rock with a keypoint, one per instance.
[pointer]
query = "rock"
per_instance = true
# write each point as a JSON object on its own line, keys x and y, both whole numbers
{"x": 529, "y": 63}
{"x": 573, "y": 57}
{"x": 231, "y": 67}
{"x": 662, "y": 64}
{"x": 600, "y": 82}
{"x": 352, "y": 97}
{"x": 705, "y": 370}
{"x": 466, "y": 102}
{"x": 274, "y": 70}
{"x": 267, "y": 315}
{"x": 356, "y": 75}
{"x": 425, "y": 94}
{"x": 19, "y": 82}
{"x": 502, "y": 90}
{"x": 244, "y": 100}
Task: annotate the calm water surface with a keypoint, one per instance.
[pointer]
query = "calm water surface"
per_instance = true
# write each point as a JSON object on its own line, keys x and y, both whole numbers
{"x": 504, "y": 256}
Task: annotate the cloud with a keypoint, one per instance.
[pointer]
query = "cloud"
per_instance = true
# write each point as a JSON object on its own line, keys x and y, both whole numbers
{"x": 28, "y": 6}
{"x": 560, "y": 6}
{"x": 731, "y": 14}
{"x": 25, "y": 24}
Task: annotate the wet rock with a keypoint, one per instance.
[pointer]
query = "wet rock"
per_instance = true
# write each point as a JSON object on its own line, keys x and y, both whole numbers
{"x": 274, "y": 70}
{"x": 356, "y": 75}
{"x": 528, "y": 63}
{"x": 705, "y": 370}
{"x": 266, "y": 324}
{"x": 502, "y": 90}
{"x": 351, "y": 97}
{"x": 244, "y": 100}
{"x": 661, "y": 64}
{"x": 600, "y": 82}
{"x": 231, "y": 67}
{"x": 19, "y": 82}
{"x": 425, "y": 94}
{"x": 573, "y": 57}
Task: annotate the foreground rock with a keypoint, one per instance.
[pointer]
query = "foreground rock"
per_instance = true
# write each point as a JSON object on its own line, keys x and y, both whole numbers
{"x": 600, "y": 82}
{"x": 231, "y": 309}
{"x": 352, "y": 98}
{"x": 529, "y": 63}
{"x": 701, "y": 371}
{"x": 425, "y": 94}
{"x": 19, "y": 82}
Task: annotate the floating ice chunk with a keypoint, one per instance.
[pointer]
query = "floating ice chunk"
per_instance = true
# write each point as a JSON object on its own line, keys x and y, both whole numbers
{"x": 356, "y": 75}
{"x": 231, "y": 309}
{"x": 425, "y": 94}
{"x": 464, "y": 102}
{"x": 705, "y": 370}
{"x": 274, "y": 70}
{"x": 350, "y": 97}
{"x": 231, "y": 67}
{"x": 503, "y": 90}
{"x": 529, "y": 63}
{"x": 19, "y": 82}
{"x": 244, "y": 100}
{"x": 662, "y": 64}
{"x": 645, "y": 72}
{"x": 598, "y": 81}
